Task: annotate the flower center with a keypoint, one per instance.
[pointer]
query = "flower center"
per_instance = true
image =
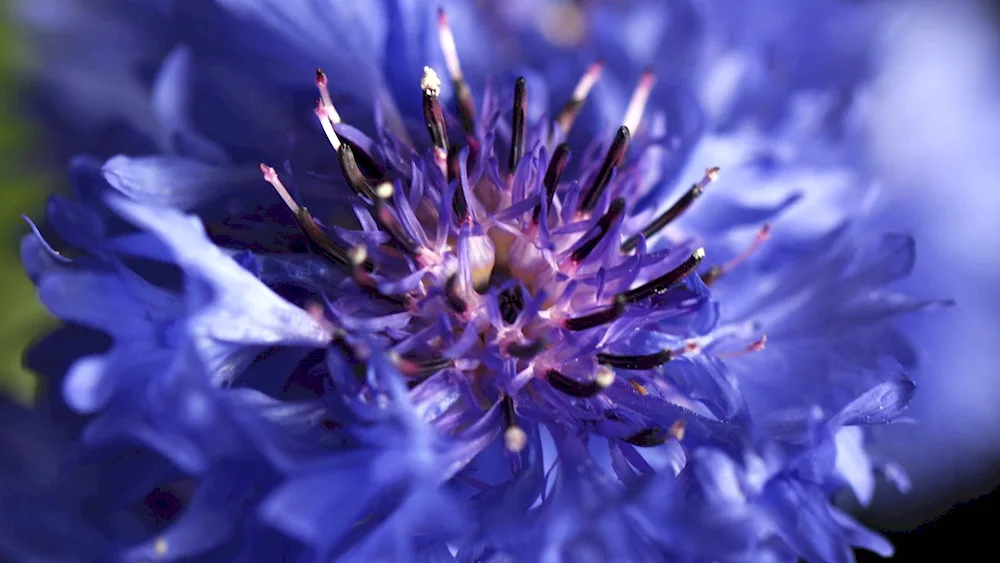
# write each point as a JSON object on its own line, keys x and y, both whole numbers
{"x": 511, "y": 274}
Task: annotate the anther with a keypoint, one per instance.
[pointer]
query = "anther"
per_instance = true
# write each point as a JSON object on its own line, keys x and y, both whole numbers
{"x": 528, "y": 349}
{"x": 552, "y": 175}
{"x": 639, "y": 362}
{"x": 423, "y": 368}
{"x": 430, "y": 84}
{"x": 272, "y": 178}
{"x": 578, "y": 389}
{"x": 327, "y": 101}
{"x": 604, "y": 377}
{"x": 360, "y": 273}
{"x": 716, "y": 272}
{"x": 639, "y": 388}
{"x": 604, "y": 316}
{"x": 568, "y": 113}
{"x": 511, "y": 302}
{"x": 463, "y": 96}
{"x": 674, "y": 211}
{"x": 359, "y": 160}
{"x": 383, "y": 215}
{"x": 320, "y": 242}
{"x": 614, "y": 157}
{"x": 325, "y": 115}
{"x": 637, "y": 105}
{"x": 755, "y": 346}
{"x": 603, "y": 225}
{"x": 652, "y": 437}
{"x": 518, "y": 123}
{"x": 357, "y": 256}
{"x": 514, "y": 438}
{"x": 667, "y": 280}
{"x": 451, "y": 294}
{"x": 458, "y": 203}
{"x": 352, "y": 172}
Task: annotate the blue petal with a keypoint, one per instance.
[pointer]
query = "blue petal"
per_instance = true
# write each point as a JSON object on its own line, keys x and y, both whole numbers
{"x": 879, "y": 405}
{"x": 177, "y": 182}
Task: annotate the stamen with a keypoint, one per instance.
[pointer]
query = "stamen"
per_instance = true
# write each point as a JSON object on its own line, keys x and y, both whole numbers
{"x": 568, "y": 113}
{"x": 320, "y": 242}
{"x": 328, "y": 117}
{"x": 323, "y": 113}
{"x": 458, "y": 203}
{"x": 430, "y": 84}
{"x": 652, "y": 437}
{"x": 638, "y": 387}
{"x": 552, "y": 176}
{"x": 272, "y": 178}
{"x": 358, "y": 255}
{"x": 352, "y": 172}
{"x": 640, "y": 362}
{"x": 611, "y": 160}
{"x": 637, "y": 105}
{"x": 574, "y": 388}
{"x": 463, "y": 96}
{"x": 518, "y": 123}
{"x": 383, "y": 215}
{"x": 423, "y": 368}
{"x": 755, "y": 346}
{"x": 717, "y": 272}
{"x": 604, "y": 316}
{"x": 676, "y": 430}
{"x": 526, "y": 350}
{"x": 324, "y": 93}
{"x": 511, "y": 303}
{"x": 675, "y": 210}
{"x": 451, "y": 294}
{"x": 604, "y": 377}
{"x": 360, "y": 268}
{"x": 667, "y": 280}
{"x": 604, "y": 225}
{"x": 514, "y": 438}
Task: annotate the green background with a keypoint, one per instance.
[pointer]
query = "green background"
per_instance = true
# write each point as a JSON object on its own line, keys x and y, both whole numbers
{"x": 22, "y": 191}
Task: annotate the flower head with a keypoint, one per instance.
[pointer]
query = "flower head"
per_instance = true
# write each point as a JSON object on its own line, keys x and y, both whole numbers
{"x": 463, "y": 333}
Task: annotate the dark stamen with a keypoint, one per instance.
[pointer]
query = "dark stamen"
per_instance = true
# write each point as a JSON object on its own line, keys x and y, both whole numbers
{"x": 614, "y": 157}
{"x": 423, "y": 368}
{"x": 572, "y": 387}
{"x": 603, "y": 225}
{"x": 463, "y": 96}
{"x": 320, "y": 243}
{"x": 352, "y": 173}
{"x": 712, "y": 275}
{"x": 552, "y": 175}
{"x": 431, "y": 86}
{"x": 599, "y": 318}
{"x": 511, "y": 303}
{"x": 451, "y": 293}
{"x": 667, "y": 280}
{"x": 458, "y": 202}
{"x": 644, "y": 361}
{"x": 675, "y": 210}
{"x": 383, "y": 215}
{"x": 648, "y": 438}
{"x": 665, "y": 219}
{"x": 365, "y": 281}
{"x": 518, "y": 123}
{"x": 507, "y": 407}
{"x": 526, "y": 350}
{"x": 567, "y": 114}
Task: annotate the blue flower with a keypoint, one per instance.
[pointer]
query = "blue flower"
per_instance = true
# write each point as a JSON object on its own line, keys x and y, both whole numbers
{"x": 457, "y": 331}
